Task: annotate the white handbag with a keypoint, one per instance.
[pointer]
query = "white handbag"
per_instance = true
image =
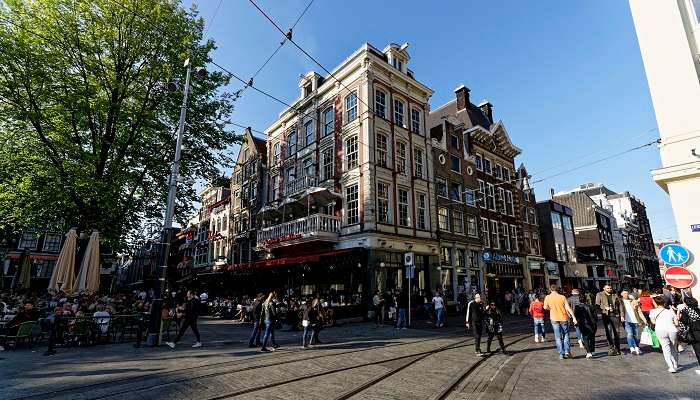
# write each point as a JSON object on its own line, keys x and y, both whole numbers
{"x": 305, "y": 323}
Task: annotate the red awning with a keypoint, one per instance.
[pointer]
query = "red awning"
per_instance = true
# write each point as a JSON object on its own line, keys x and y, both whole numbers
{"x": 286, "y": 260}
{"x": 35, "y": 257}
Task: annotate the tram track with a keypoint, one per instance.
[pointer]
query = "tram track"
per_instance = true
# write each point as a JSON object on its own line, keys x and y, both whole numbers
{"x": 141, "y": 380}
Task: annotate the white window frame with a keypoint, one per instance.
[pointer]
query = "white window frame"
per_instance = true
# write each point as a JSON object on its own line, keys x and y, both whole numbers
{"x": 509, "y": 203}
{"x": 399, "y": 113}
{"x": 478, "y": 161}
{"x": 328, "y": 126}
{"x": 415, "y": 121}
{"x": 401, "y": 150}
{"x": 309, "y": 130}
{"x": 489, "y": 170}
{"x": 380, "y": 103}
{"x": 418, "y": 162}
{"x": 458, "y": 221}
{"x": 52, "y": 238}
{"x": 350, "y": 107}
{"x": 441, "y": 180}
{"x": 502, "y": 199}
{"x": 327, "y": 163}
{"x": 292, "y": 145}
{"x": 472, "y": 226}
{"x": 422, "y": 214}
{"x": 495, "y": 238}
{"x": 382, "y": 149}
{"x": 352, "y": 204}
{"x": 404, "y": 207}
{"x": 514, "y": 238}
{"x": 485, "y": 234}
{"x": 481, "y": 200}
{"x": 446, "y": 219}
{"x": 490, "y": 194}
{"x": 383, "y": 202}
{"x": 351, "y": 153}
{"x": 506, "y": 236}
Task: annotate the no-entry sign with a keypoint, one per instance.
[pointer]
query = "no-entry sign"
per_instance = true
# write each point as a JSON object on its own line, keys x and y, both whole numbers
{"x": 679, "y": 277}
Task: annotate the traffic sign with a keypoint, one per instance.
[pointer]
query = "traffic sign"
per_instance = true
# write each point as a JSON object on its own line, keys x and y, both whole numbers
{"x": 408, "y": 258}
{"x": 674, "y": 254}
{"x": 410, "y": 272}
{"x": 679, "y": 278}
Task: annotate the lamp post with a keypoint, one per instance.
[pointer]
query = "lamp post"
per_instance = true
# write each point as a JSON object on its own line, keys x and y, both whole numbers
{"x": 154, "y": 335}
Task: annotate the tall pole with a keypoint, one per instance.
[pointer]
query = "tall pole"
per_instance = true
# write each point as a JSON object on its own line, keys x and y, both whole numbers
{"x": 154, "y": 336}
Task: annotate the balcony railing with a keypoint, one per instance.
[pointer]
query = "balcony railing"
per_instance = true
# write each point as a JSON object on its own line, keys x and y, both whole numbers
{"x": 299, "y": 185}
{"x": 314, "y": 227}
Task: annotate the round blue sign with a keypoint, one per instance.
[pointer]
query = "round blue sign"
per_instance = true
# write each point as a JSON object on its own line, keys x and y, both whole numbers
{"x": 674, "y": 254}
{"x": 487, "y": 256}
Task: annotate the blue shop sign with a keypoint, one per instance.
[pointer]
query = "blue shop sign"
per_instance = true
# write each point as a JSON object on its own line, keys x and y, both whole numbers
{"x": 491, "y": 256}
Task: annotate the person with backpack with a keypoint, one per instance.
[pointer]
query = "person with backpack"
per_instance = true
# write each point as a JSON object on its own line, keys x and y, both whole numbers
{"x": 190, "y": 320}
{"x": 256, "y": 310}
{"x": 474, "y": 321}
{"x": 494, "y": 327}
{"x": 690, "y": 318}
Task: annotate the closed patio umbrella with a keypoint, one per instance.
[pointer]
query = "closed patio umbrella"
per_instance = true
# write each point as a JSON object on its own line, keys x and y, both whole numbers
{"x": 26, "y": 273}
{"x": 63, "y": 273}
{"x": 88, "y": 279}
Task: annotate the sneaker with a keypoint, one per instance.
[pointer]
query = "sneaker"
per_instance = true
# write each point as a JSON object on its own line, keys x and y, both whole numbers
{"x": 542, "y": 339}
{"x": 537, "y": 338}
{"x": 672, "y": 370}
{"x": 275, "y": 346}
{"x": 170, "y": 344}
{"x": 580, "y": 343}
{"x": 197, "y": 344}
{"x": 568, "y": 356}
{"x": 480, "y": 354}
{"x": 265, "y": 350}
{"x": 589, "y": 355}
{"x": 404, "y": 328}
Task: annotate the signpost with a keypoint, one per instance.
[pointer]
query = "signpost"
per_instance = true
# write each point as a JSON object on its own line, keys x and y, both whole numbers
{"x": 410, "y": 271}
{"x": 674, "y": 255}
{"x": 679, "y": 277}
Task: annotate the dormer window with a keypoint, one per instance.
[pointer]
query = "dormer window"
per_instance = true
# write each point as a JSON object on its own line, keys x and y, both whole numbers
{"x": 307, "y": 89}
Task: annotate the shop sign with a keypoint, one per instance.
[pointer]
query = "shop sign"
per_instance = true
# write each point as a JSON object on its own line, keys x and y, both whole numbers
{"x": 489, "y": 256}
{"x": 285, "y": 238}
{"x": 535, "y": 265}
{"x": 552, "y": 268}
{"x": 695, "y": 228}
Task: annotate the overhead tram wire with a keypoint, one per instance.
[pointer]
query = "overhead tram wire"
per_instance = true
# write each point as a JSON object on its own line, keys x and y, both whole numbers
{"x": 289, "y": 37}
{"x": 213, "y": 17}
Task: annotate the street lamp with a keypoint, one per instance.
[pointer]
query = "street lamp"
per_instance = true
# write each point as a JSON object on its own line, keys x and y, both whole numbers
{"x": 154, "y": 335}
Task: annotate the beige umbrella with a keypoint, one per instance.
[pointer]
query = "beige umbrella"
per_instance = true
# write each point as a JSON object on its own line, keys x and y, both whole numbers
{"x": 26, "y": 273}
{"x": 88, "y": 279}
{"x": 63, "y": 274}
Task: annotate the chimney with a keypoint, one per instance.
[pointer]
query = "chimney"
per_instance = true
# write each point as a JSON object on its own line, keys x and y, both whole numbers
{"x": 487, "y": 108}
{"x": 462, "y": 94}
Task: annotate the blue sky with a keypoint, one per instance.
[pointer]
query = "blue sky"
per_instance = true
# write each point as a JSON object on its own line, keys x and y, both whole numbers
{"x": 566, "y": 78}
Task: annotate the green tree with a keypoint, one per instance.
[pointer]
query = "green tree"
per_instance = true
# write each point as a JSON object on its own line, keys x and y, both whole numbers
{"x": 87, "y": 123}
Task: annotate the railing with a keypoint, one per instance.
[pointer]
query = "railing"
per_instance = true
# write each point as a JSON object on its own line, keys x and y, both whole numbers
{"x": 299, "y": 185}
{"x": 298, "y": 228}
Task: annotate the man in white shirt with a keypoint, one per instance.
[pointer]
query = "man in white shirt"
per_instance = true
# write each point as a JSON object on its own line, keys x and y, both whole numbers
{"x": 633, "y": 319}
{"x": 439, "y": 305}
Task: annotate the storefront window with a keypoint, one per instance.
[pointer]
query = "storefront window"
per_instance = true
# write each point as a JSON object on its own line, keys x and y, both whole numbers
{"x": 446, "y": 282}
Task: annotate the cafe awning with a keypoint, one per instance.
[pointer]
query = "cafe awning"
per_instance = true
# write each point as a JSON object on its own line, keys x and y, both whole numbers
{"x": 286, "y": 260}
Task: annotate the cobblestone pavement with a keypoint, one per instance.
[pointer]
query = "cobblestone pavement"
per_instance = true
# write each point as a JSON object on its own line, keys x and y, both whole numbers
{"x": 357, "y": 361}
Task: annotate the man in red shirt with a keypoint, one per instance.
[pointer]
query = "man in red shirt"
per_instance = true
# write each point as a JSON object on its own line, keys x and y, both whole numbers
{"x": 536, "y": 310}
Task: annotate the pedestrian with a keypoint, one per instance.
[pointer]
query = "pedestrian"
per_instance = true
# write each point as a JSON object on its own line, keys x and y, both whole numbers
{"x": 402, "y": 305}
{"x": 666, "y": 331}
{"x": 494, "y": 327}
{"x": 559, "y": 312}
{"x": 573, "y": 301}
{"x": 439, "y": 305}
{"x": 508, "y": 298}
{"x": 256, "y": 310}
{"x": 608, "y": 304}
{"x": 267, "y": 315}
{"x": 587, "y": 324}
{"x": 55, "y": 326}
{"x": 190, "y": 320}
{"x": 474, "y": 321}
{"x": 690, "y": 317}
{"x": 378, "y": 301}
{"x": 309, "y": 322}
{"x": 633, "y": 319}
{"x": 320, "y": 320}
{"x": 536, "y": 310}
